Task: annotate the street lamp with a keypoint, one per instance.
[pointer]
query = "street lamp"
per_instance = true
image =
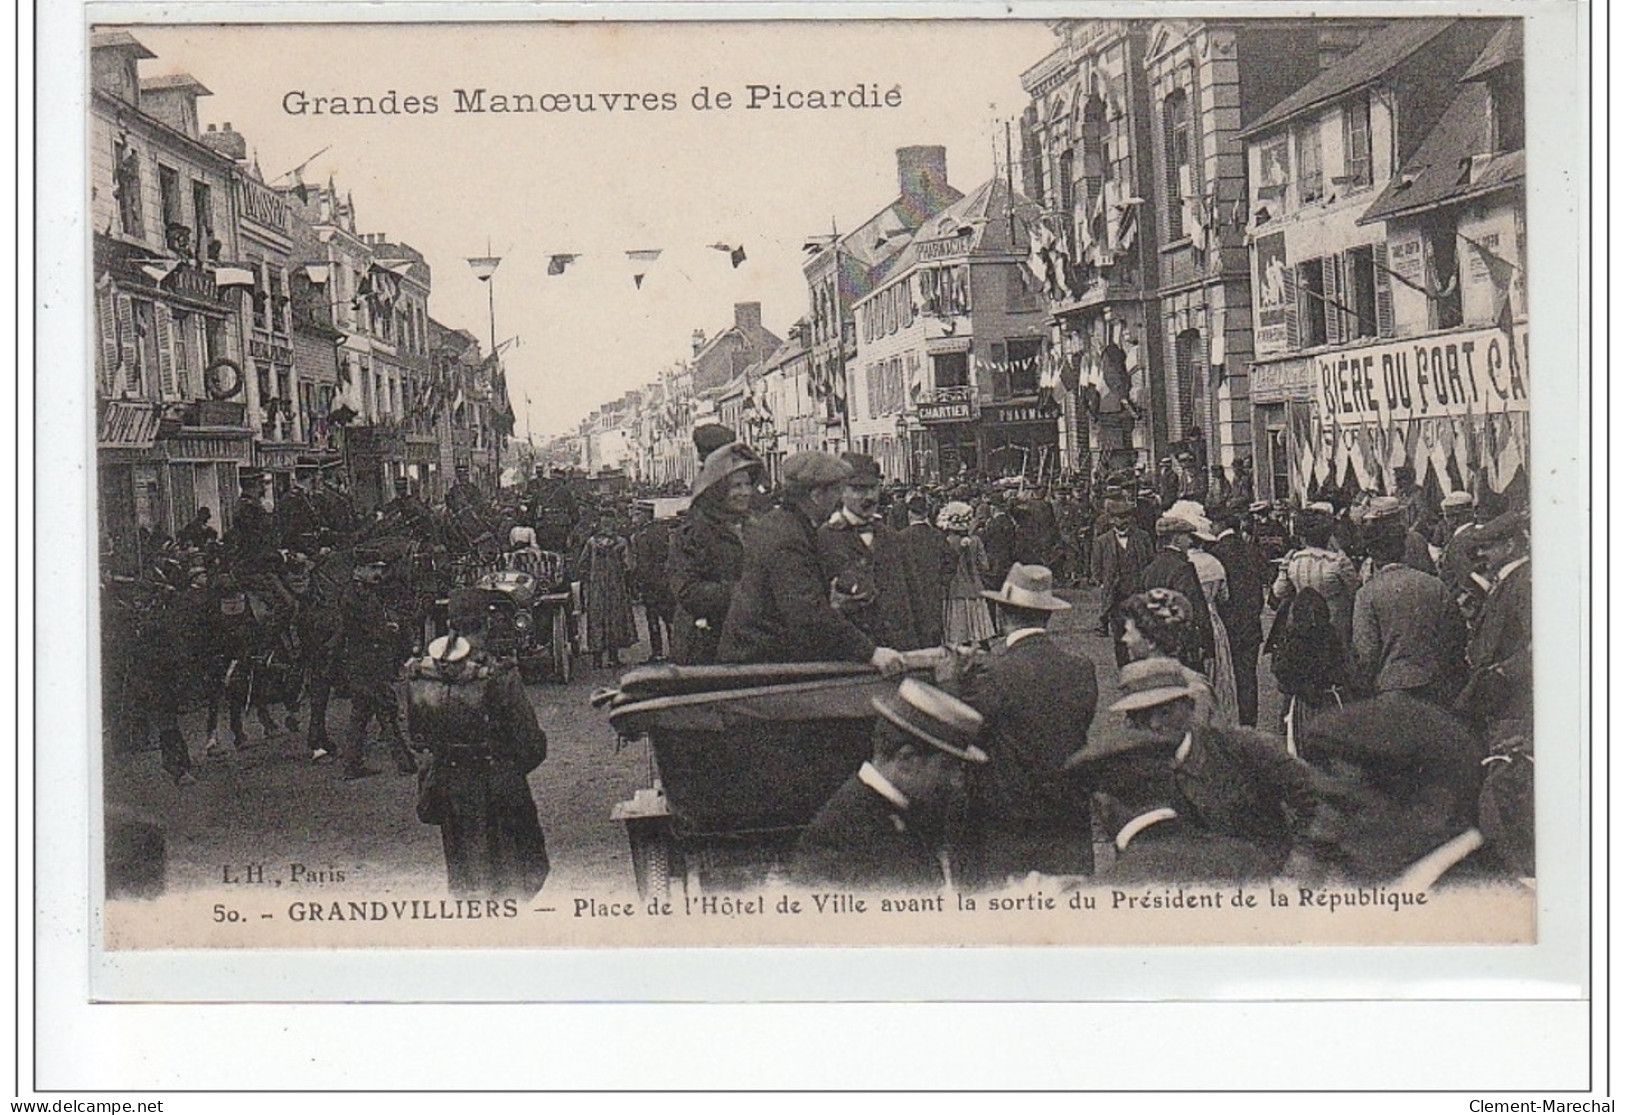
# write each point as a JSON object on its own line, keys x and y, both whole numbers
{"x": 484, "y": 268}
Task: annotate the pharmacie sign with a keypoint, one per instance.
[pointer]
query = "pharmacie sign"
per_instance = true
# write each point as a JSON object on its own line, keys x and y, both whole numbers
{"x": 1456, "y": 375}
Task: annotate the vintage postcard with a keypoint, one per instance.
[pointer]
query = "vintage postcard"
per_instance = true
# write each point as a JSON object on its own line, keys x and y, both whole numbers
{"x": 1003, "y": 482}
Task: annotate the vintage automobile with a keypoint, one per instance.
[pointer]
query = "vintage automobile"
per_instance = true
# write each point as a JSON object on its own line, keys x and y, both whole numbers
{"x": 538, "y": 618}
{"x": 744, "y": 756}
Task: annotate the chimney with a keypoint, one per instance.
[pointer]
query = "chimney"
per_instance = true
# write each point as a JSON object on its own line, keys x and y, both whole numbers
{"x": 748, "y": 319}
{"x": 698, "y": 340}
{"x": 173, "y": 99}
{"x": 226, "y": 142}
{"x": 922, "y": 180}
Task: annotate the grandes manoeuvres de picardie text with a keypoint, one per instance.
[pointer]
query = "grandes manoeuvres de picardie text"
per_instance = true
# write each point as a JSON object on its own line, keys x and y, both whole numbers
{"x": 1139, "y": 522}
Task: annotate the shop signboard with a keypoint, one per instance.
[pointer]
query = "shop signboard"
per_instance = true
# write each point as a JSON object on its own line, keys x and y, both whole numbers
{"x": 951, "y": 410}
{"x": 1454, "y": 375}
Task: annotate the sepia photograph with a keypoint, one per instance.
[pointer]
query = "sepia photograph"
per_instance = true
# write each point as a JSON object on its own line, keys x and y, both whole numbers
{"x": 1001, "y": 482}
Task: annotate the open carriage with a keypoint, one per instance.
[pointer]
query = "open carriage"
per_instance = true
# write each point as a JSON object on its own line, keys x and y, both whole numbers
{"x": 742, "y": 759}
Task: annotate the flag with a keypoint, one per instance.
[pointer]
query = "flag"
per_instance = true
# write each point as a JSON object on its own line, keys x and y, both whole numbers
{"x": 1501, "y": 273}
{"x": 642, "y": 256}
{"x": 557, "y": 263}
{"x": 159, "y": 269}
{"x": 484, "y": 267}
{"x": 300, "y": 190}
{"x": 737, "y": 256}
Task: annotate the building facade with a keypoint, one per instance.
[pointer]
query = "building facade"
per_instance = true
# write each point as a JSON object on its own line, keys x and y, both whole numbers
{"x": 1323, "y": 279}
{"x": 173, "y": 403}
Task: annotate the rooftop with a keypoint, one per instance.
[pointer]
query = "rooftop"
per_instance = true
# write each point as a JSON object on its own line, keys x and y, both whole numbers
{"x": 1453, "y": 164}
{"x": 1381, "y": 53}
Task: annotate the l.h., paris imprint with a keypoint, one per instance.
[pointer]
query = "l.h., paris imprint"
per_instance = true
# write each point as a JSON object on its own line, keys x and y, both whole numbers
{"x": 937, "y": 482}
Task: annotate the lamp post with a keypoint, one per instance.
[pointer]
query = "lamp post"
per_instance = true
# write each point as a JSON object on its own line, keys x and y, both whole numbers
{"x": 484, "y": 268}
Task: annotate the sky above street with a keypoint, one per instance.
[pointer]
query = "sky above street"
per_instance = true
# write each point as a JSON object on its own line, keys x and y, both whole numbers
{"x": 619, "y": 178}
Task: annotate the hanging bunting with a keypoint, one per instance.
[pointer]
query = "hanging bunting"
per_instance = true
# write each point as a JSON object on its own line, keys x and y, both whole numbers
{"x": 641, "y": 259}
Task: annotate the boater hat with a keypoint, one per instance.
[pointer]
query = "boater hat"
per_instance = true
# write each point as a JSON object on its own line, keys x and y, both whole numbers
{"x": 1151, "y": 682}
{"x": 1029, "y": 586}
{"x": 940, "y": 719}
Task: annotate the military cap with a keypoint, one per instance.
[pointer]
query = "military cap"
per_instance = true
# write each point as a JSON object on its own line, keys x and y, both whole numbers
{"x": 813, "y": 469}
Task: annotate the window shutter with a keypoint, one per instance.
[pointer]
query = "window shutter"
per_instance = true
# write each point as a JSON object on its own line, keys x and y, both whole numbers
{"x": 167, "y": 385}
{"x": 1385, "y": 291}
{"x": 1289, "y": 305}
{"x": 1329, "y": 287}
{"x": 1000, "y": 371}
{"x": 129, "y": 348}
{"x": 107, "y": 320}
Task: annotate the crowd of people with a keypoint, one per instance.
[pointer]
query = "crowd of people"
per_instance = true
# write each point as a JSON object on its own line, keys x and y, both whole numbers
{"x": 1396, "y": 630}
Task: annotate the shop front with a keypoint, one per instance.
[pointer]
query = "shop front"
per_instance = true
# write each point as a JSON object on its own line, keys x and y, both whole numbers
{"x": 948, "y": 442}
{"x": 1021, "y": 439}
{"x": 1454, "y": 407}
{"x": 1283, "y": 397}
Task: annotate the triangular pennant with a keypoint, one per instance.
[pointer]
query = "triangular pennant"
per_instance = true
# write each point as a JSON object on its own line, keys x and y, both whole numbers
{"x": 637, "y": 280}
{"x": 737, "y": 256}
{"x": 557, "y": 263}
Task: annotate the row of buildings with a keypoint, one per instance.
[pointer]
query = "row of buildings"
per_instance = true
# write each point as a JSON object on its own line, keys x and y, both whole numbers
{"x": 245, "y": 324}
{"x": 1294, "y": 248}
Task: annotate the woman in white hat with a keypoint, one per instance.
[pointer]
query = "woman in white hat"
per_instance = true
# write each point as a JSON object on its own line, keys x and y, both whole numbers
{"x": 965, "y": 616}
{"x": 1220, "y": 669}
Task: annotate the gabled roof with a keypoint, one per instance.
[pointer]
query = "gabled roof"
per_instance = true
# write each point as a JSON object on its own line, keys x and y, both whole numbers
{"x": 175, "y": 81}
{"x": 1453, "y": 163}
{"x": 1381, "y": 53}
{"x": 986, "y": 212}
{"x": 1504, "y": 49}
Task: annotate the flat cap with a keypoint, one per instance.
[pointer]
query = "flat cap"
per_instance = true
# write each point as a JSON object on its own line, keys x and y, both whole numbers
{"x": 813, "y": 469}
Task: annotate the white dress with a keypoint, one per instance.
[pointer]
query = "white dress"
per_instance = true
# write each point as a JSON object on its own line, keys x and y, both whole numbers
{"x": 1210, "y": 572}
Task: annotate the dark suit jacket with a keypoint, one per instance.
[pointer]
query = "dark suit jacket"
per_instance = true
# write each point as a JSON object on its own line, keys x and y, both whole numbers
{"x": 1179, "y": 850}
{"x": 704, "y": 560}
{"x": 900, "y": 614}
{"x": 928, "y": 563}
{"x": 1172, "y": 569}
{"x": 861, "y": 840}
{"x": 1118, "y": 569}
{"x": 780, "y": 610}
{"x": 1026, "y": 813}
{"x": 1503, "y": 639}
{"x": 1408, "y": 633}
{"x": 1247, "y": 574}
{"x": 999, "y": 540}
{"x": 1242, "y": 783}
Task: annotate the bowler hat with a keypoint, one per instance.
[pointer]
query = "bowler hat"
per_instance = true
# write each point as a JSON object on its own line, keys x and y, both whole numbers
{"x": 865, "y": 469}
{"x": 1029, "y": 586}
{"x": 940, "y": 719}
{"x": 1150, "y": 682}
{"x": 813, "y": 469}
{"x": 1119, "y": 507}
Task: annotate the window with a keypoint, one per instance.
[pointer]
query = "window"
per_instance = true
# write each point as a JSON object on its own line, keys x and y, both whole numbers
{"x": 1187, "y": 370}
{"x": 1023, "y": 355}
{"x": 177, "y": 236}
{"x": 1311, "y": 304}
{"x": 1361, "y": 288}
{"x": 950, "y": 369}
{"x": 262, "y": 300}
{"x": 278, "y": 302}
{"x": 203, "y": 207}
{"x": 1357, "y": 142}
{"x": 1176, "y": 123}
{"x": 1311, "y": 184}
{"x": 1442, "y": 274}
{"x": 1069, "y": 201}
{"x": 127, "y": 188}
{"x": 1506, "y": 113}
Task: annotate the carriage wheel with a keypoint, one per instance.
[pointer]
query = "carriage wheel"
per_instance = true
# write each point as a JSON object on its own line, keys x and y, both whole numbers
{"x": 563, "y": 659}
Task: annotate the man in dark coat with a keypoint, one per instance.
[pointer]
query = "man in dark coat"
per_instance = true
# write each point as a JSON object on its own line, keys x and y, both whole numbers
{"x": 999, "y": 540}
{"x": 706, "y": 554}
{"x": 1398, "y": 780}
{"x": 1246, "y": 574}
{"x": 1500, "y": 694}
{"x": 1407, "y": 631}
{"x": 299, "y": 524}
{"x": 1157, "y": 837}
{"x": 886, "y": 827}
{"x": 781, "y": 609}
{"x": 373, "y": 653}
{"x": 1170, "y": 568}
{"x": 651, "y": 581}
{"x": 1121, "y": 554}
{"x": 1232, "y": 781}
{"x": 251, "y": 543}
{"x": 867, "y": 560}
{"x": 469, "y": 710}
{"x": 1038, "y": 533}
{"x": 1027, "y": 810}
{"x": 928, "y": 564}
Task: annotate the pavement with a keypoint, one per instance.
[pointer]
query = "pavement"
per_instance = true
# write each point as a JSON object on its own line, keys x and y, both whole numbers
{"x": 267, "y": 803}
